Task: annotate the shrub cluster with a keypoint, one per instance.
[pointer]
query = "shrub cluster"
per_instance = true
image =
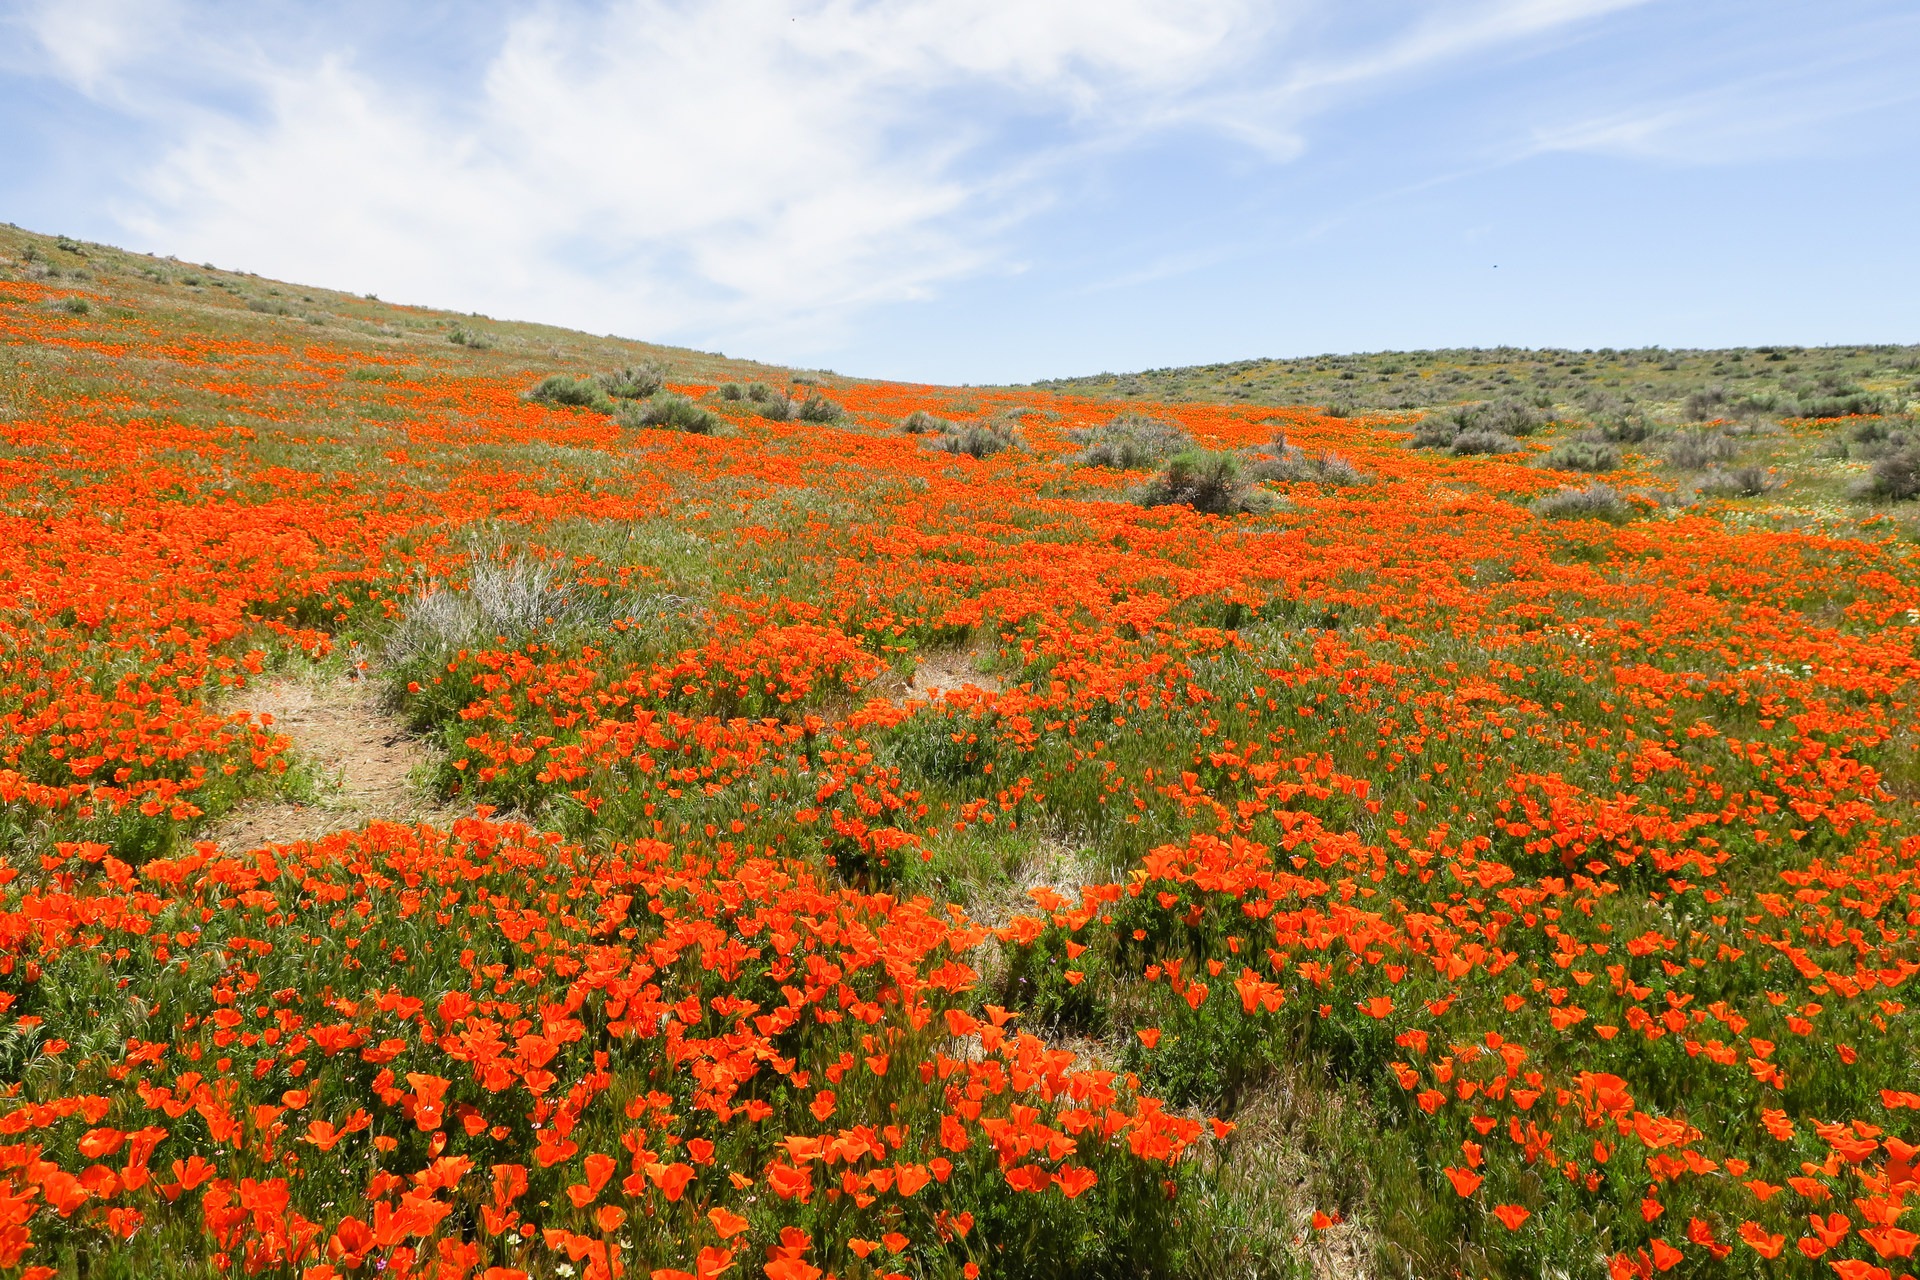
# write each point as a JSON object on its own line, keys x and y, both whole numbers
{"x": 667, "y": 409}
{"x": 1582, "y": 454}
{"x": 1129, "y": 442}
{"x": 777, "y": 406}
{"x": 978, "y": 439}
{"x": 1698, "y": 448}
{"x": 1289, "y": 464}
{"x": 635, "y": 382}
{"x": 1205, "y": 480}
{"x": 1626, "y": 426}
{"x": 1873, "y": 438}
{"x": 1490, "y": 426}
{"x": 600, "y": 391}
{"x": 1749, "y": 481}
{"x": 921, "y": 423}
{"x": 1595, "y": 502}
{"x": 1895, "y": 477}
{"x": 561, "y": 389}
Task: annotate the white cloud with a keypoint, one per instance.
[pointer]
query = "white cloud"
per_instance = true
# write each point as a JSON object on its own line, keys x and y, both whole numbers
{"x": 736, "y": 167}
{"x": 87, "y": 42}
{"x": 1760, "y": 118}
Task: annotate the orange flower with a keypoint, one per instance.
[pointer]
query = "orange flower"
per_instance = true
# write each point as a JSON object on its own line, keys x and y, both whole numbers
{"x": 672, "y": 1179}
{"x": 727, "y": 1223}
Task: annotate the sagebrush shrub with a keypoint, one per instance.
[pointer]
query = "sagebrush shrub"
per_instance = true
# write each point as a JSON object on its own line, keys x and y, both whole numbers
{"x": 1473, "y": 442}
{"x": 635, "y": 382}
{"x": 1703, "y": 404}
{"x": 1288, "y": 464}
{"x": 1894, "y": 478}
{"x": 1129, "y": 442}
{"x": 1846, "y": 405}
{"x": 665, "y": 409}
{"x": 1204, "y": 480}
{"x": 1628, "y": 426}
{"x": 1510, "y": 417}
{"x": 920, "y": 423}
{"x": 817, "y": 408}
{"x": 1506, "y": 417}
{"x": 1582, "y": 455}
{"x": 559, "y": 388}
{"x": 502, "y": 598}
{"x": 1749, "y": 481}
{"x": 978, "y": 439}
{"x": 1697, "y": 449}
{"x": 1595, "y": 502}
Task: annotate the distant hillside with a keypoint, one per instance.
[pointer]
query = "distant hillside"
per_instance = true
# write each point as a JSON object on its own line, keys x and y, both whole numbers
{"x": 1790, "y": 381}
{"x": 207, "y": 293}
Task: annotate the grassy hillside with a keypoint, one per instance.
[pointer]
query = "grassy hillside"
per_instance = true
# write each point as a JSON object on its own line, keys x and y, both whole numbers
{"x": 881, "y": 830}
{"x": 1575, "y": 383}
{"x": 217, "y": 302}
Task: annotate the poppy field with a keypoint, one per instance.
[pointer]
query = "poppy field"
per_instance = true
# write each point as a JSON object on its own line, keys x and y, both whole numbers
{"x": 1386, "y": 879}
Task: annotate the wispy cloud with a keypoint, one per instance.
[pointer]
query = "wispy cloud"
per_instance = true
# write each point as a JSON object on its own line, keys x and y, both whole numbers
{"x": 1745, "y": 102}
{"x": 734, "y": 168}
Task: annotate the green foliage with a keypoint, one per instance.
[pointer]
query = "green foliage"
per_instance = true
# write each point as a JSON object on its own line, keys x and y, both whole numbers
{"x": 1595, "y": 502}
{"x": 1129, "y": 442}
{"x": 920, "y": 423}
{"x": 1894, "y": 478}
{"x": 1283, "y": 463}
{"x": 817, "y": 408}
{"x": 1697, "y": 449}
{"x": 1206, "y": 481}
{"x": 1749, "y": 481}
{"x": 560, "y": 389}
{"x": 670, "y": 410}
{"x": 978, "y": 439}
{"x": 1582, "y": 455}
{"x": 633, "y": 382}
{"x": 1468, "y": 443}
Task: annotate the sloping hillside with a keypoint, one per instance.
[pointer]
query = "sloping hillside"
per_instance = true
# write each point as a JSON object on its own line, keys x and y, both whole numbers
{"x": 871, "y": 830}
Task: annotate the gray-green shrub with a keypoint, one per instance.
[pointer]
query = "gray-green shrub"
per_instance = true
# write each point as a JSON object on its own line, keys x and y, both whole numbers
{"x": 1595, "y": 502}
{"x": 978, "y": 439}
{"x": 1473, "y": 442}
{"x": 1894, "y": 478}
{"x": 921, "y": 423}
{"x": 817, "y": 408}
{"x": 558, "y": 388}
{"x": 1289, "y": 464}
{"x": 1696, "y": 449}
{"x": 1129, "y": 442}
{"x": 635, "y": 382}
{"x": 1582, "y": 455}
{"x": 666, "y": 409}
{"x": 1749, "y": 481}
{"x": 1206, "y": 481}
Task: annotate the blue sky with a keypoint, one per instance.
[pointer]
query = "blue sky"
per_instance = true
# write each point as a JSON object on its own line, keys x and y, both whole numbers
{"x": 1001, "y": 190}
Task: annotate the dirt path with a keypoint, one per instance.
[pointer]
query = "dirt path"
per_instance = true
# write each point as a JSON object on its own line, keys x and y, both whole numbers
{"x": 947, "y": 670}
{"x": 367, "y": 761}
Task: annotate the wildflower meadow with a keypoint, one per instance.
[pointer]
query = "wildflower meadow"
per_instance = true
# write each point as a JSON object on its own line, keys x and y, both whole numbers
{"x": 1365, "y": 869}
